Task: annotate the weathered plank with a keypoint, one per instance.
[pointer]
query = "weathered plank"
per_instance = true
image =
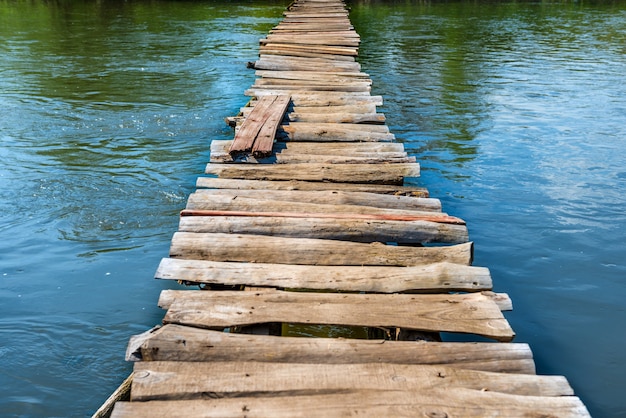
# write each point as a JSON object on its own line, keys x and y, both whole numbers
{"x": 334, "y": 173}
{"x": 359, "y": 149}
{"x": 311, "y": 40}
{"x": 265, "y": 138}
{"x": 312, "y": 75}
{"x": 373, "y": 118}
{"x": 246, "y": 135}
{"x": 307, "y": 251}
{"x": 366, "y": 403}
{"x": 330, "y": 81}
{"x": 311, "y": 86}
{"x": 302, "y": 131}
{"x": 156, "y": 380}
{"x": 204, "y": 183}
{"x": 180, "y": 343}
{"x": 472, "y": 313}
{"x": 231, "y": 202}
{"x": 267, "y": 62}
{"x": 312, "y": 98}
{"x": 291, "y": 212}
{"x": 441, "y": 277}
{"x": 360, "y": 230}
{"x": 312, "y": 48}
{"x": 284, "y": 155}
{"x": 386, "y": 201}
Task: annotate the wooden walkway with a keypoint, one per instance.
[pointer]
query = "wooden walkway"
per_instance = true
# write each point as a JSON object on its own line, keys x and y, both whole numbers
{"x": 305, "y": 227}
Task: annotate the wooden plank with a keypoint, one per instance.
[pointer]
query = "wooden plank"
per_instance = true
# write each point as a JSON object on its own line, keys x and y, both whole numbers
{"x": 334, "y": 173}
{"x": 156, "y": 380}
{"x": 328, "y": 148}
{"x": 284, "y": 155}
{"x": 311, "y": 84}
{"x": 460, "y": 313}
{"x": 373, "y": 118}
{"x": 245, "y": 137}
{"x": 329, "y": 198}
{"x": 312, "y": 98}
{"x": 364, "y": 108}
{"x": 225, "y": 157}
{"x": 291, "y": 212}
{"x": 289, "y": 53}
{"x": 265, "y": 139}
{"x": 358, "y": 230}
{"x": 442, "y": 277}
{"x": 354, "y": 87}
{"x": 306, "y": 251}
{"x": 180, "y": 343}
{"x": 122, "y": 393}
{"x": 317, "y": 14}
{"x": 234, "y": 184}
{"x": 312, "y": 75}
{"x": 312, "y": 48}
{"x": 268, "y": 63}
{"x": 366, "y": 403}
{"x": 339, "y": 132}
{"x": 311, "y": 40}
{"x": 311, "y": 27}
{"x": 231, "y": 202}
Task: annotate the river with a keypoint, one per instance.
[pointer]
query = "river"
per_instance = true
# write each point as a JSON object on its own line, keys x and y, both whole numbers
{"x": 516, "y": 111}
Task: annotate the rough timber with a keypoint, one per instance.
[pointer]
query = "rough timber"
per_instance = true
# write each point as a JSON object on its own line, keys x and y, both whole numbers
{"x": 306, "y": 232}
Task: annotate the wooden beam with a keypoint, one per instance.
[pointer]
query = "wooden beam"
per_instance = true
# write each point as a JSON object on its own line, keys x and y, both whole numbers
{"x": 334, "y": 173}
{"x": 359, "y": 230}
{"x": 365, "y": 403}
{"x": 459, "y": 313}
{"x": 440, "y": 277}
{"x": 181, "y": 380}
{"x": 307, "y": 251}
{"x": 207, "y": 183}
{"x": 180, "y": 343}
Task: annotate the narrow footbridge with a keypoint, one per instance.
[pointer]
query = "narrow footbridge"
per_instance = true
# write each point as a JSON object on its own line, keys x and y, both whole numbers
{"x": 323, "y": 284}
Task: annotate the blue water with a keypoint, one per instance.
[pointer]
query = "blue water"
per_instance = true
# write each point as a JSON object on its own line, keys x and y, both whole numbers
{"x": 516, "y": 112}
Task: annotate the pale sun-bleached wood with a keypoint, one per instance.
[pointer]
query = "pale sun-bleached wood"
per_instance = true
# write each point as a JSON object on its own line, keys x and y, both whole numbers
{"x": 206, "y": 183}
{"x": 188, "y": 380}
{"x": 359, "y": 230}
{"x": 233, "y": 202}
{"x": 331, "y": 198}
{"x": 334, "y": 173}
{"x": 307, "y": 251}
{"x": 461, "y": 403}
{"x": 180, "y": 343}
{"x": 471, "y": 313}
{"x": 441, "y": 277}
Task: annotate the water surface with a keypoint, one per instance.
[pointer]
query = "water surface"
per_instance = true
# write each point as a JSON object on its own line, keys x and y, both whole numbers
{"x": 515, "y": 110}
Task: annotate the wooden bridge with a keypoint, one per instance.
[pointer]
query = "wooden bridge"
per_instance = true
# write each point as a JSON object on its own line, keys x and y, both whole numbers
{"x": 305, "y": 227}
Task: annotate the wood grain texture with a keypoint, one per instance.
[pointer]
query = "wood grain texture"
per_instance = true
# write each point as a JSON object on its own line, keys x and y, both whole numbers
{"x": 180, "y": 380}
{"x": 359, "y": 230}
{"x": 246, "y": 135}
{"x": 339, "y": 132}
{"x": 462, "y": 403}
{"x": 221, "y": 202}
{"x": 312, "y": 98}
{"x": 207, "y": 183}
{"x": 334, "y": 173}
{"x": 462, "y": 313}
{"x": 305, "y": 251}
{"x": 442, "y": 277}
{"x": 181, "y": 343}
{"x": 330, "y": 198}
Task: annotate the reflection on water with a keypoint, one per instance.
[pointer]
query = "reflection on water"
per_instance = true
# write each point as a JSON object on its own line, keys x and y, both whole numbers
{"x": 515, "y": 110}
{"x": 108, "y": 112}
